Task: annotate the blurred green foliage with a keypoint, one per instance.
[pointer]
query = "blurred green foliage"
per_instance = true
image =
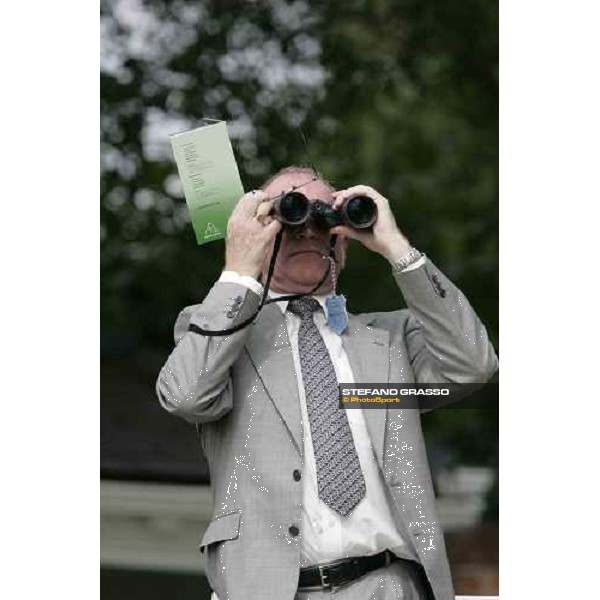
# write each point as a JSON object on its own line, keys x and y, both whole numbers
{"x": 400, "y": 95}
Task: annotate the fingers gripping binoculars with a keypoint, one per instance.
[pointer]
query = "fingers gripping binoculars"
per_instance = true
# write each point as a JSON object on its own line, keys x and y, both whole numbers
{"x": 294, "y": 209}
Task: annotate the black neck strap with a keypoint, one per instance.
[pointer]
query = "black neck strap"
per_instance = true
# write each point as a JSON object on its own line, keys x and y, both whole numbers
{"x": 265, "y": 299}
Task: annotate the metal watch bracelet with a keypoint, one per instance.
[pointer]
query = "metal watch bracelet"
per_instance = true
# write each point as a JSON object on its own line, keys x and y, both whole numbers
{"x": 408, "y": 259}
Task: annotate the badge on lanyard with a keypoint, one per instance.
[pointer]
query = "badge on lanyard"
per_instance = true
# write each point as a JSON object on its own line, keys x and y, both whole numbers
{"x": 337, "y": 317}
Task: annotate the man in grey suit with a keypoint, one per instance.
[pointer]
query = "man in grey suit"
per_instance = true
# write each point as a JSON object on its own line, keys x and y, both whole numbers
{"x": 310, "y": 499}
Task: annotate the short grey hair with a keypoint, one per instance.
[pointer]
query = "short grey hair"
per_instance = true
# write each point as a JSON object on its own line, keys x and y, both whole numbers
{"x": 300, "y": 169}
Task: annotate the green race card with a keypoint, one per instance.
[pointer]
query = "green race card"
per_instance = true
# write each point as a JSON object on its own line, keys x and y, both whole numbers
{"x": 210, "y": 178}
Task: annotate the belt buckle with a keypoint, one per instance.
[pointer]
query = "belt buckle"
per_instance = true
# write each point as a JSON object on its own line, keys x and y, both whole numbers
{"x": 324, "y": 576}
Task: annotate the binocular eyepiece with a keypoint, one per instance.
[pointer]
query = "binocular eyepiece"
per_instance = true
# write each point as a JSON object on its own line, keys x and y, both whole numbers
{"x": 294, "y": 209}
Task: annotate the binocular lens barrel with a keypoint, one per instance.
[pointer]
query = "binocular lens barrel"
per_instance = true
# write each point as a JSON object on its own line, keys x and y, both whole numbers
{"x": 292, "y": 209}
{"x": 360, "y": 212}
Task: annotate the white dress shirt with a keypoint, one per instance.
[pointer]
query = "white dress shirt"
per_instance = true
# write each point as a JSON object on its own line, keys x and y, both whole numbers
{"x": 369, "y": 528}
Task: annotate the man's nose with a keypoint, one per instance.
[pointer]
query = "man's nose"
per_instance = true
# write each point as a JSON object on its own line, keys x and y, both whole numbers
{"x": 307, "y": 232}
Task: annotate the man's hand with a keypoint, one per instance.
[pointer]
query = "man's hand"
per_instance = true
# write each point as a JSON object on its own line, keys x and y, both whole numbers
{"x": 384, "y": 238}
{"x": 250, "y": 234}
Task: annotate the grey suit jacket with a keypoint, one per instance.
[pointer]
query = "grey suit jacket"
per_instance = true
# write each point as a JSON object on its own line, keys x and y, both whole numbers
{"x": 242, "y": 389}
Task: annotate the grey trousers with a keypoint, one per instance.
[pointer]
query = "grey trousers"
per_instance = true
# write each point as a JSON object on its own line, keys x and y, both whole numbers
{"x": 394, "y": 582}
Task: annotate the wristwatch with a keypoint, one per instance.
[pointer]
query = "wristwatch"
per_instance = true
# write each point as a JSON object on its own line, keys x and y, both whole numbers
{"x": 412, "y": 256}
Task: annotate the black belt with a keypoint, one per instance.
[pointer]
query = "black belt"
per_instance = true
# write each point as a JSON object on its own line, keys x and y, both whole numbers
{"x": 339, "y": 572}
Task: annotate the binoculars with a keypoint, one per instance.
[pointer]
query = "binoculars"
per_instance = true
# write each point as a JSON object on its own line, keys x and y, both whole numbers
{"x": 294, "y": 209}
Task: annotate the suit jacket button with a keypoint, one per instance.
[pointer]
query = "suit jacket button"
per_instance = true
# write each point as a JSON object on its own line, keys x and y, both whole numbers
{"x": 297, "y": 475}
{"x": 294, "y": 531}
{"x": 230, "y": 314}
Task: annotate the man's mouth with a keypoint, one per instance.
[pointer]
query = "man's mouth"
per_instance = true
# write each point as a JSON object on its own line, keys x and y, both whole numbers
{"x": 307, "y": 251}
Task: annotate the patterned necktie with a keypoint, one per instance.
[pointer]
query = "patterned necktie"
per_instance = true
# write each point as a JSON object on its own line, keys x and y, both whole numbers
{"x": 339, "y": 477}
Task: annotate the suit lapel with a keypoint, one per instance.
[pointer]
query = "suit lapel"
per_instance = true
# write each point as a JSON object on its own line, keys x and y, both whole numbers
{"x": 270, "y": 352}
{"x": 368, "y": 350}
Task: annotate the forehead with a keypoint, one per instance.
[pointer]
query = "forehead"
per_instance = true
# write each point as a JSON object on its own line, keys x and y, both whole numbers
{"x": 314, "y": 190}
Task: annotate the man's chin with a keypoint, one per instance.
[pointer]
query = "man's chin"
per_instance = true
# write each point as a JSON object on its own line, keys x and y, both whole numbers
{"x": 309, "y": 274}
{"x": 301, "y": 282}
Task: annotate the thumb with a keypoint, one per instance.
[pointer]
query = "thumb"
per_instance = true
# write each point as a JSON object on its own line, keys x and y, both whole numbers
{"x": 342, "y": 230}
{"x": 349, "y": 232}
{"x": 272, "y": 229}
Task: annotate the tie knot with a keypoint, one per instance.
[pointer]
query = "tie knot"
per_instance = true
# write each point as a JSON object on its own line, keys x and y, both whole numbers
{"x": 303, "y": 306}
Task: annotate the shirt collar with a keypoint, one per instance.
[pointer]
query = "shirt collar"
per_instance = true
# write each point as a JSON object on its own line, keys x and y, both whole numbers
{"x": 284, "y": 303}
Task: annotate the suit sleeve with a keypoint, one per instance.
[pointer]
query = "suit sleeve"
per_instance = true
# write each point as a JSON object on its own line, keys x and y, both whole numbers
{"x": 195, "y": 381}
{"x": 446, "y": 341}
